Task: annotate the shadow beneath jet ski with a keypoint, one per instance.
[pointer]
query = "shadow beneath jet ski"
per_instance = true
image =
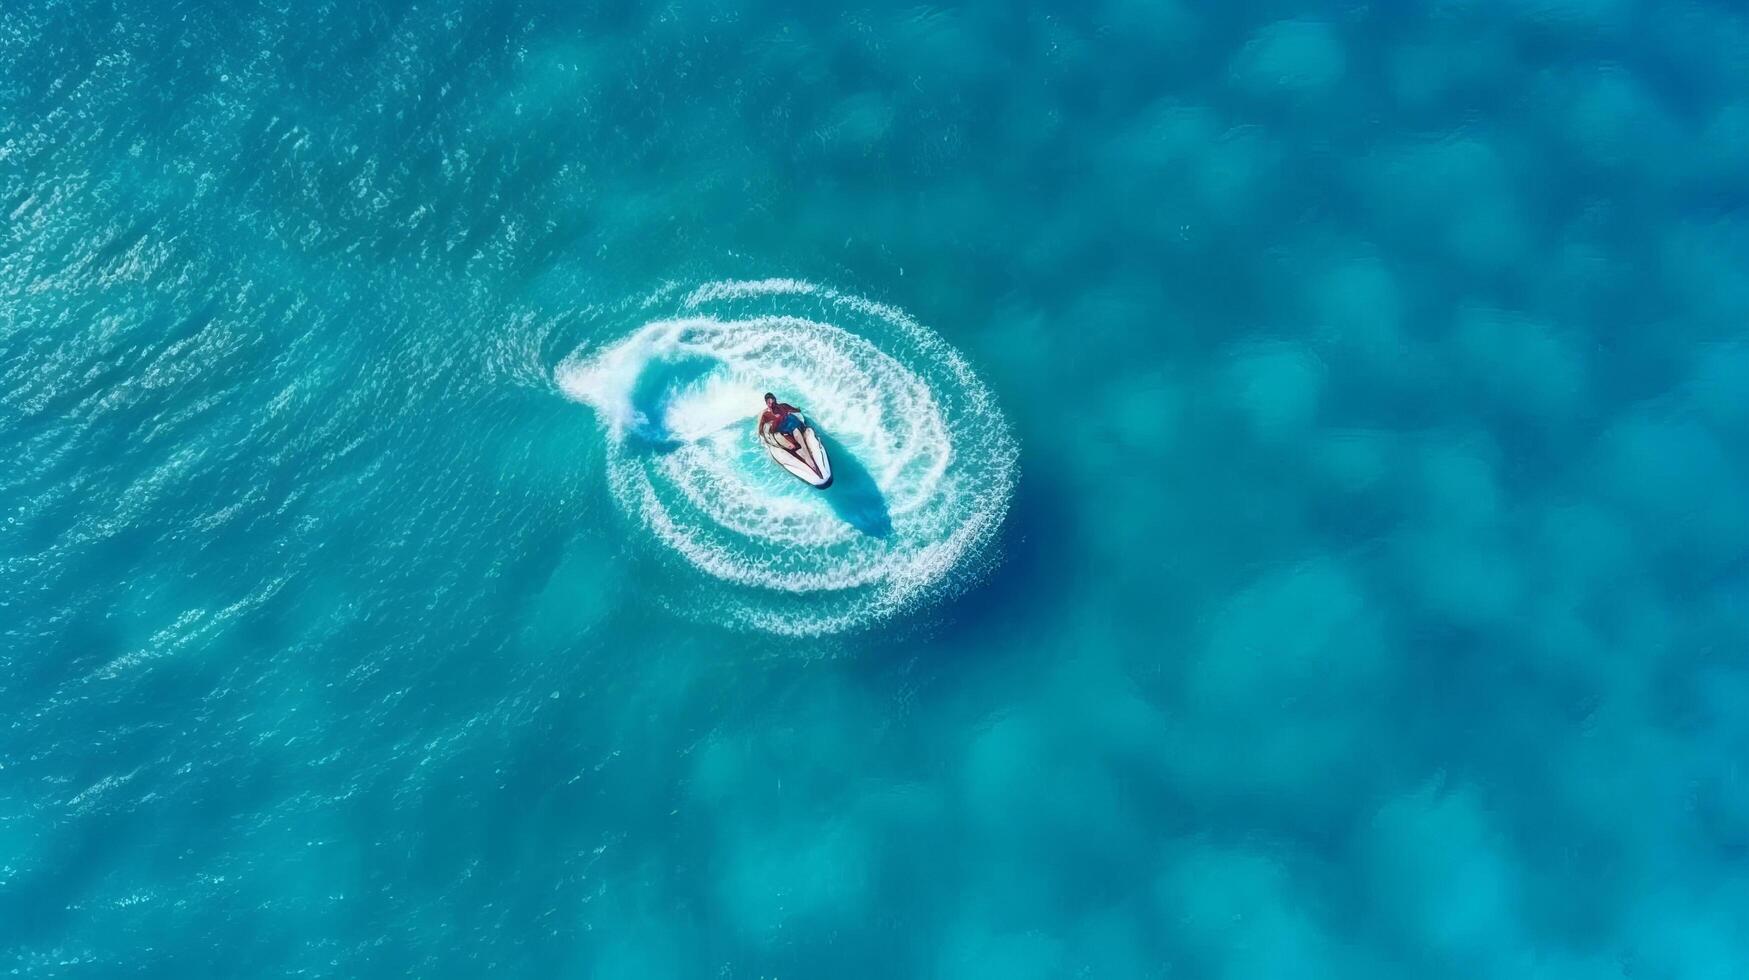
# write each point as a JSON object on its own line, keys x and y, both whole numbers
{"x": 854, "y": 496}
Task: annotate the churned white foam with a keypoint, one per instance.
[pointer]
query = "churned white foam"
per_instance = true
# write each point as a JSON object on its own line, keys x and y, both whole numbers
{"x": 923, "y": 461}
{"x": 745, "y": 289}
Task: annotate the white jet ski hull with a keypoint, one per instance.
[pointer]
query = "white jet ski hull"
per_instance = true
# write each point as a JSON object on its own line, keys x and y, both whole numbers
{"x": 810, "y": 465}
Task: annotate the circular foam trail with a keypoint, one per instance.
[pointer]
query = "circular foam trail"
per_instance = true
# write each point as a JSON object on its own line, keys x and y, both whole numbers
{"x": 923, "y": 461}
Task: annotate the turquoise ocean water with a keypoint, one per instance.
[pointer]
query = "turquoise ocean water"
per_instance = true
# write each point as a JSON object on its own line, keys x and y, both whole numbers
{"x": 1292, "y": 513}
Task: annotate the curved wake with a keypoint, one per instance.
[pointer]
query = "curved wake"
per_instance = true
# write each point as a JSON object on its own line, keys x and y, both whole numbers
{"x": 924, "y": 461}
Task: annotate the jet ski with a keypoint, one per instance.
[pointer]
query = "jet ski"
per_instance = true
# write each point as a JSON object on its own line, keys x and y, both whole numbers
{"x": 809, "y": 464}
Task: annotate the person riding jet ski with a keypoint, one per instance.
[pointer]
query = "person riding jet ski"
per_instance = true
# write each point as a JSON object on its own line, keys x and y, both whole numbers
{"x": 783, "y": 419}
{"x": 792, "y": 443}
